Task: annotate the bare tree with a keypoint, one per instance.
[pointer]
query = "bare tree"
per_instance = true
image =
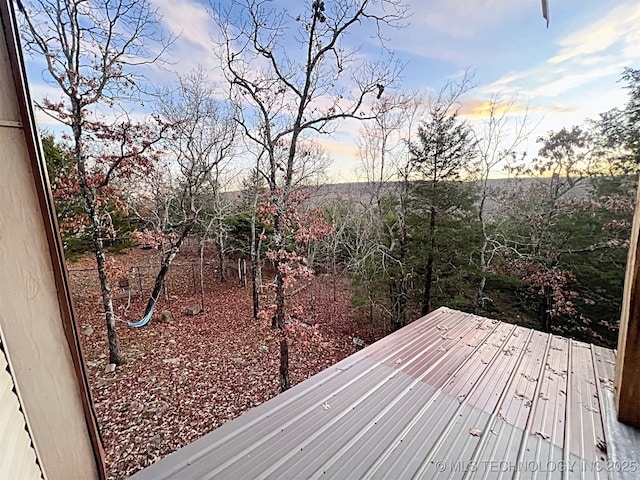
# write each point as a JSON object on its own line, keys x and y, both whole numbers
{"x": 498, "y": 137}
{"x": 389, "y": 172}
{"x": 551, "y": 189}
{"x": 201, "y": 145}
{"x": 339, "y": 212}
{"x": 91, "y": 50}
{"x": 220, "y": 208}
{"x": 290, "y": 72}
{"x": 253, "y": 192}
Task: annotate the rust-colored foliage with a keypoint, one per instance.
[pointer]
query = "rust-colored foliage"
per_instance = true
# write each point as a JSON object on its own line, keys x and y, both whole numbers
{"x": 184, "y": 377}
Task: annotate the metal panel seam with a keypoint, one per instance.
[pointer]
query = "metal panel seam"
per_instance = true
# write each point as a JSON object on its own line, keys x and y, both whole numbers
{"x": 424, "y": 465}
{"x": 534, "y": 404}
{"x": 567, "y": 410}
{"x": 284, "y": 458}
{"x": 428, "y": 402}
{"x": 201, "y": 453}
{"x": 493, "y": 417}
{"x": 389, "y": 450}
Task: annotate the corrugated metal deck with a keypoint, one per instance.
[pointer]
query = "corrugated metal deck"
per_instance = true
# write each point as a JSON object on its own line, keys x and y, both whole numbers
{"x": 452, "y": 395}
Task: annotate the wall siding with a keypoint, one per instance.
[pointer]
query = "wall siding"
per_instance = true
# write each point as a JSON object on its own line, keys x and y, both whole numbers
{"x": 18, "y": 459}
{"x": 31, "y": 313}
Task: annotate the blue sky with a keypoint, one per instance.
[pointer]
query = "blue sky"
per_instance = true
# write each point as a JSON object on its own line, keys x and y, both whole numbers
{"x": 564, "y": 73}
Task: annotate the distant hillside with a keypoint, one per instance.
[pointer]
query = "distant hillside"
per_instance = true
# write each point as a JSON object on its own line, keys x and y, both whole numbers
{"x": 360, "y": 191}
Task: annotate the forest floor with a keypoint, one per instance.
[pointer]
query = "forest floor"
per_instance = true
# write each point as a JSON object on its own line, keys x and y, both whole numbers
{"x": 186, "y": 376}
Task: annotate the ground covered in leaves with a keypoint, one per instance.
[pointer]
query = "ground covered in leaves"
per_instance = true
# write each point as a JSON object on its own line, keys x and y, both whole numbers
{"x": 187, "y": 376}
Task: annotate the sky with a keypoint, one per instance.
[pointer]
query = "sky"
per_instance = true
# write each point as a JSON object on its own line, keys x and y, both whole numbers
{"x": 561, "y": 75}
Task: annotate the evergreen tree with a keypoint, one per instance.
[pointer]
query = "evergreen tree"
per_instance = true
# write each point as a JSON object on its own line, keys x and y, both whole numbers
{"x": 445, "y": 146}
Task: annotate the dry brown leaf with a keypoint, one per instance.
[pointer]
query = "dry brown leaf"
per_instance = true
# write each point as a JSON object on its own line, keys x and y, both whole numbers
{"x": 228, "y": 362}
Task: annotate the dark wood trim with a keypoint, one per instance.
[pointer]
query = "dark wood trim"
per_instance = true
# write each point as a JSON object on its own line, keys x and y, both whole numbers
{"x": 627, "y": 379}
{"x": 45, "y": 200}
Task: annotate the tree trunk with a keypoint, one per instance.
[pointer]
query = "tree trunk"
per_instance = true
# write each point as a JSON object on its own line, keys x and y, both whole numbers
{"x": 164, "y": 268}
{"x": 402, "y": 303}
{"x": 398, "y": 293}
{"x": 428, "y": 277}
{"x": 480, "y": 294}
{"x": 242, "y": 272}
{"x": 401, "y": 314}
{"x": 105, "y": 289}
{"x": 89, "y": 197}
{"x": 110, "y": 317}
{"x": 483, "y": 252}
{"x": 334, "y": 281}
{"x": 221, "y": 259}
{"x": 544, "y": 309}
{"x": 483, "y": 268}
{"x": 255, "y": 255}
{"x": 395, "y": 304}
{"x": 428, "y": 281}
{"x": 202, "y": 275}
{"x": 284, "y": 363}
{"x": 278, "y": 234}
{"x": 255, "y": 286}
{"x": 278, "y": 318}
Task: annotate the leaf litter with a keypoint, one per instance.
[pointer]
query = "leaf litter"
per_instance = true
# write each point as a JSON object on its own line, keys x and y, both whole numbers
{"x": 185, "y": 377}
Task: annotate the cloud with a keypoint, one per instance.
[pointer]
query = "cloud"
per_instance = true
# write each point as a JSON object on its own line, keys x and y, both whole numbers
{"x": 344, "y": 157}
{"x": 187, "y": 19}
{"x": 573, "y": 80}
{"x": 448, "y": 31}
{"x": 195, "y": 30}
{"x": 41, "y": 90}
{"x": 553, "y": 81}
{"x": 585, "y": 64}
{"x": 339, "y": 150}
{"x": 477, "y": 108}
{"x": 619, "y": 24}
{"x": 462, "y": 19}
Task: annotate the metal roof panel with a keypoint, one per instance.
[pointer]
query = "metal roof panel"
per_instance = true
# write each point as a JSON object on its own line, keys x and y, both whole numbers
{"x": 452, "y": 395}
